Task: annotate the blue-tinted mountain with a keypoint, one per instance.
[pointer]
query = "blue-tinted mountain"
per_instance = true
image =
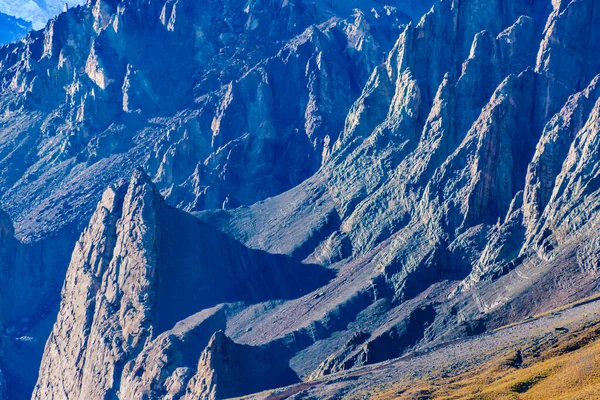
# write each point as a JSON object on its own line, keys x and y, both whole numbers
{"x": 177, "y": 89}
{"x": 326, "y": 186}
{"x": 12, "y": 29}
{"x": 38, "y": 12}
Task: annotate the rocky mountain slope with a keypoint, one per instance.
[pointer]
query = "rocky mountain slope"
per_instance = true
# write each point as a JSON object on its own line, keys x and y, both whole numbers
{"x": 550, "y": 356}
{"x": 326, "y": 185}
{"x": 138, "y": 272}
{"x": 84, "y": 106}
{"x": 186, "y": 117}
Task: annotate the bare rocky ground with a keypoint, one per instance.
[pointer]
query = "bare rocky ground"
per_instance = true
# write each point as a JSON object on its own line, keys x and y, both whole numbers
{"x": 444, "y": 360}
{"x": 316, "y": 188}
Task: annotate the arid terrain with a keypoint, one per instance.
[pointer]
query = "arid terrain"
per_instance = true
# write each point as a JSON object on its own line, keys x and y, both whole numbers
{"x": 314, "y": 198}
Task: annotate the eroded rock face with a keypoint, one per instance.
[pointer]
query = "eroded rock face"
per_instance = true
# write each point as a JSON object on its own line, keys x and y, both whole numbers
{"x": 138, "y": 272}
{"x": 227, "y": 370}
{"x": 386, "y": 343}
{"x": 466, "y": 158}
{"x": 223, "y": 104}
{"x": 445, "y": 169}
{"x": 447, "y": 165}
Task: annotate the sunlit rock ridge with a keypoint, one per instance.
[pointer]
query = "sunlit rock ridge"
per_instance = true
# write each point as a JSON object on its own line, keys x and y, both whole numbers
{"x": 295, "y": 188}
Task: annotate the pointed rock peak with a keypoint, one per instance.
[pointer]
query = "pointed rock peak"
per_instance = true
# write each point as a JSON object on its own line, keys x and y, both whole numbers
{"x": 102, "y": 11}
{"x": 140, "y": 185}
{"x": 483, "y": 43}
{"x": 397, "y": 58}
{"x": 227, "y": 369}
{"x": 142, "y": 200}
{"x": 511, "y": 83}
{"x": 218, "y": 341}
{"x": 139, "y": 177}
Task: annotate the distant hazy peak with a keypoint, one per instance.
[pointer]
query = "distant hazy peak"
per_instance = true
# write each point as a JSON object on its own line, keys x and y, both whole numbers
{"x": 38, "y": 12}
{"x": 12, "y": 28}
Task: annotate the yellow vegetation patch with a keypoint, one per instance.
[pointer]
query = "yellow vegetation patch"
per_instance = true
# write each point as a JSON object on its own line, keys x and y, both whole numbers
{"x": 567, "y": 368}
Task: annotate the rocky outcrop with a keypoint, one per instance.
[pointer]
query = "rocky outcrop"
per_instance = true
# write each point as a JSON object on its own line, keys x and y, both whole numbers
{"x": 114, "y": 85}
{"x": 553, "y": 148}
{"x": 93, "y": 83}
{"x": 167, "y": 365}
{"x": 447, "y": 165}
{"x": 445, "y": 168}
{"x": 466, "y": 159}
{"x": 139, "y": 269}
{"x": 227, "y": 370}
{"x": 387, "y": 343}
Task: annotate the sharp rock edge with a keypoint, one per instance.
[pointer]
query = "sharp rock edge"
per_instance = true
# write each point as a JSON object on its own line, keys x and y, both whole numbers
{"x": 360, "y": 183}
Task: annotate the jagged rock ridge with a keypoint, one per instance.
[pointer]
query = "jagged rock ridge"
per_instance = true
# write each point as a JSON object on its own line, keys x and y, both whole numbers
{"x": 215, "y": 125}
{"x": 111, "y": 86}
{"x": 436, "y": 177}
{"x": 138, "y": 269}
{"x": 451, "y": 186}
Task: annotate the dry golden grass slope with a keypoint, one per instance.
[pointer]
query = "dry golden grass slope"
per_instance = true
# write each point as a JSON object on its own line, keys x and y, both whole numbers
{"x": 565, "y": 366}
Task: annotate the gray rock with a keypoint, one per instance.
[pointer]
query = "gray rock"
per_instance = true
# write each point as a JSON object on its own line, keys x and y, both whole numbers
{"x": 360, "y": 185}
{"x": 137, "y": 270}
{"x": 227, "y": 370}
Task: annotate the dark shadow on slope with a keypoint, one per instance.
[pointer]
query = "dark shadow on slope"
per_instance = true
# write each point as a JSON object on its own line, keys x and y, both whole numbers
{"x": 239, "y": 370}
{"x": 200, "y": 267}
{"x": 31, "y": 276}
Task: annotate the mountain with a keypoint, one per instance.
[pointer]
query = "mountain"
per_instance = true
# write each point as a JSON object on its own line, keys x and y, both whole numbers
{"x": 85, "y": 108}
{"x": 37, "y": 12}
{"x": 144, "y": 275}
{"x": 313, "y": 187}
{"x": 12, "y": 29}
{"x": 104, "y": 109}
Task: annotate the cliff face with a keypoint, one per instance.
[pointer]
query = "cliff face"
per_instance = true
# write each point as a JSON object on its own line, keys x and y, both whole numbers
{"x": 327, "y": 187}
{"x": 464, "y": 179}
{"x": 458, "y": 136}
{"x": 139, "y": 269}
{"x": 227, "y": 370}
{"x": 222, "y": 103}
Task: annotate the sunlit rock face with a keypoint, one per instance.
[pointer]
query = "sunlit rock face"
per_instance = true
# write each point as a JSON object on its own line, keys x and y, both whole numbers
{"x": 197, "y": 93}
{"x": 295, "y": 188}
{"x": 141, "y": 279}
